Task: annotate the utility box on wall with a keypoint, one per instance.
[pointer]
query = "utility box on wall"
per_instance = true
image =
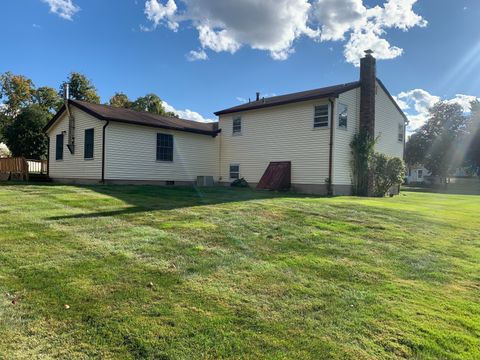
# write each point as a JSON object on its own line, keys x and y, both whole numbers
{"x": 205, "y": 181}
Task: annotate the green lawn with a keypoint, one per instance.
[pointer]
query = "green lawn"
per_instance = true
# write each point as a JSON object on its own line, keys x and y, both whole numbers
{"x": 236, "y": 274}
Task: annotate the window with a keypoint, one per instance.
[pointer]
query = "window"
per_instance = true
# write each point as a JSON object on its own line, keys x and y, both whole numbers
{"x": 342, "y": 116}
{"x": 400, "y": 132}
{"x": 88, "y": 145}
{"x": 59, "y": 147}
{"x": 420, "y": 174}
{"x": 237, "y": 126}
{"x": 164, "y": 147}
{"x": 320, "y": 118}
{"x": 234, "y": 171}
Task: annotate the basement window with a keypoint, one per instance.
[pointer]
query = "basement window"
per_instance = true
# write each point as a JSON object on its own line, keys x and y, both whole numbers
{"x": 59, "y": 147}
{"x": 400, "y": 132}
{"x": 237, "y": 126}
{"x": 88, "y": 145}
{"x": 342, "y": 116}
{"x": 320, "y": 118}
{"x": 234, "y": 171}
{"x": 164, "y": 147}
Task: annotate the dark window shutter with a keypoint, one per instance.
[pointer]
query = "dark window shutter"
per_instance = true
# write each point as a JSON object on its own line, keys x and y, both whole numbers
{"x": 88, "y": 145}
{"x": 59, "y": 147}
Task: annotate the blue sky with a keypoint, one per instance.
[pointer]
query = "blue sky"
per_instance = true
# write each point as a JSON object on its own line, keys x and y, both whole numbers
{"x": 431, "y": 47}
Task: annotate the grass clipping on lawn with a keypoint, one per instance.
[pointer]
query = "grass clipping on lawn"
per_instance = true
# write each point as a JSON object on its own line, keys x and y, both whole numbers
{"x": 177, "y": 273}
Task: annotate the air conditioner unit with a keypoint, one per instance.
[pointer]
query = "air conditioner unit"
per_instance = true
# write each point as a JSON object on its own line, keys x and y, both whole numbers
{"x": 205, "y": 181}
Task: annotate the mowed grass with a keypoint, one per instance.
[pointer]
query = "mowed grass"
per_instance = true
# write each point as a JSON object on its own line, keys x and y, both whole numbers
{"x": 236, "y": 274}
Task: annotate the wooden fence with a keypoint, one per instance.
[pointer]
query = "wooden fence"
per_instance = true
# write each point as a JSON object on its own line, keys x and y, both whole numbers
{"x": 13, "y": 169}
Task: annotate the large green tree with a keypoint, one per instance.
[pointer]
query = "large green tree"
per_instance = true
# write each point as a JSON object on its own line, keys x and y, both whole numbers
{"x": 437, "y": 143}
{"x": 48, "y": 99}
{"x": 153, "y": 104}
{"x": 120, "y": 100}
{"x": 473, "y": 154}
{"x": 16, "y": 92}
{"x": 81, "y": 88}
{"x": 25, "y": 136}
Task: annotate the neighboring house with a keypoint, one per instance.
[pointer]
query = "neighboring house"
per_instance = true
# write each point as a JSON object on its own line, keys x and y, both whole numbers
{"x": 417, "y": 174}
{"x": 311, "y": 130}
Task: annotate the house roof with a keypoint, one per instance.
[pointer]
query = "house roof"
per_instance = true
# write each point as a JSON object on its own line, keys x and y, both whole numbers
{"x": 321, "y": 93}
{"x": 111, "y": 113}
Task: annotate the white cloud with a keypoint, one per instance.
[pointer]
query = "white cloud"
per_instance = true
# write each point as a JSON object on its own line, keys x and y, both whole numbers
{"x": 157, "y": 12}
{"x": 197, "y": 55}
{"x": 187, "y": 114}
{"x": 337, "y": 17}
{"x": 66, "y": 9}
{"x": 417, "y": 102}
{"x": 465, "y": 101}
{"x": 274, "y": 25}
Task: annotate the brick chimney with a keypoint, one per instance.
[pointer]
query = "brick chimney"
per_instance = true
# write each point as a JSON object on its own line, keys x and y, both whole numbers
{"x": 368, "y": 83}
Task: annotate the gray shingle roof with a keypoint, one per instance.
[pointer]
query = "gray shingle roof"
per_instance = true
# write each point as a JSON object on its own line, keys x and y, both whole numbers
{"x": 322, "y": 93}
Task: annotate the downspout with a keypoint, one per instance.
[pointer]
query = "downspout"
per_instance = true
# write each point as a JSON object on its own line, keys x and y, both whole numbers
{"x": 103, "y": 151}
{"x": 330, "y": 154}
{"x": 48, "y": 155}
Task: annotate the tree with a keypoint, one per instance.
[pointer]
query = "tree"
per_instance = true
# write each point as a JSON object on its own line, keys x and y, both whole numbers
{"x": 473, "y": 153}
{"x": 153, "y": 104}
{"x": 48, "y": 99}
{"x": 16, "y": 91}
{"x": 25, "y": 136}
{"x": 120, "y": 100}
{"x": 150, "y": 103}
{"x": 416, "y": 148}
{"x": 438, "y": 143}
{"x": 81, "y": 88}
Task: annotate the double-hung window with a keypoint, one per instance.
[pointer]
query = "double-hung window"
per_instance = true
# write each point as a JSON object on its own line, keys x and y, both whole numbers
{"x": 88, "y": 145}
{"x": 234, "y": 171}
{"x": 400, "y": 132}
{"x": 237, "y": 126}
{"x": 342, "y": 116}
{"x": 59, "y": 147}
{"x": 164, "y": 147}
{"x": 320, "y": 118}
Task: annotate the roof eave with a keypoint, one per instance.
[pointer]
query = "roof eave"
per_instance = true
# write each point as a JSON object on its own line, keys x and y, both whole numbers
{"x": 393, "y": 100}
{"x": 309, "y": 98}
{"x": 213, "y": 133}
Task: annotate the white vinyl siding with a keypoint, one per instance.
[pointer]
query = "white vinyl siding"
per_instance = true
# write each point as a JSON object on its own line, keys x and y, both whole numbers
{"x": 342, "y": 154}
{"x": 387, "y": 121}
{"x": 76, "y": 166}
{"x": 131, "y": 154}
{"x": 280, "y": 133}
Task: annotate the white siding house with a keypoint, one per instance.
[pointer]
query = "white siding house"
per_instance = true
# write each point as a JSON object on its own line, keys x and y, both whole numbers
{"x": 75, "y": 166}
{"x": 132, "y": 142}
{"x": 311, "y": 131}
{"x": 282, "y": 133}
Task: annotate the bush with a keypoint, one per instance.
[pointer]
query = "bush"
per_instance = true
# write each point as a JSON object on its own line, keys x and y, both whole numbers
{"x": 242, "y": 183}
{"x": 387, "y": 172}
{"x": 4, "y": 152}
